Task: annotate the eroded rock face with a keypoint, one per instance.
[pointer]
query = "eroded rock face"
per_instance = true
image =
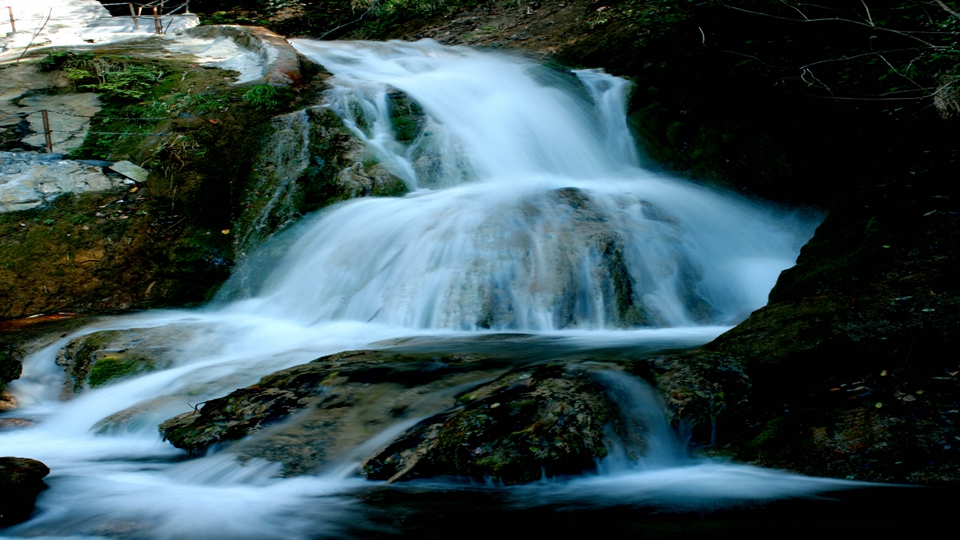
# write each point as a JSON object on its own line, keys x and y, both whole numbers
{"x": 21, "y": 480}
{"x": 549, "y": 420}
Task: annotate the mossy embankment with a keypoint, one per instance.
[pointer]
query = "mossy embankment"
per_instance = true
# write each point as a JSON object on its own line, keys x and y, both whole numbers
{"x": 162, "y": 242}
{"x": 171, "y": 240}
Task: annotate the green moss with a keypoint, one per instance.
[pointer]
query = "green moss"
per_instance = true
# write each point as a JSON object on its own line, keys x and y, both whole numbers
{"x": 396, "y": 188}
{"x": 267, "y": 97}
{"x": 406, "y": 117}
{"x": 110, "y": 368}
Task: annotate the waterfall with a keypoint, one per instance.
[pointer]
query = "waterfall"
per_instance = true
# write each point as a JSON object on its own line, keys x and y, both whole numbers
{"x": 548, "y": 225}
{"x": 528, "y": 213}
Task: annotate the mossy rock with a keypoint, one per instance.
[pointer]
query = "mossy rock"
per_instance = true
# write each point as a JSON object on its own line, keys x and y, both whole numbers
{"x": 406, "y": 116}
{"x": 101, "y": 358}
{"x": 315, "y": 410}
{"x": 118, "y": 366}
{"x": 548, "y": 420}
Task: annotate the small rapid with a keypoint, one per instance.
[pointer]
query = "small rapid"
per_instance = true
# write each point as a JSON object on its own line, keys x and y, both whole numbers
{"x": 529, "y": 222}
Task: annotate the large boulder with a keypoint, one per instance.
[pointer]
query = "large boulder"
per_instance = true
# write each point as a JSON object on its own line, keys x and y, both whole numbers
{"x": 545, "y": 421}
{"x": 21, "y": 480}
{"x": 307, "y": 415}
{"x": 416, "y": 415}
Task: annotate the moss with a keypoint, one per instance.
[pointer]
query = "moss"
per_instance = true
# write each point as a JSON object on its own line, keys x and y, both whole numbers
{"x": 406, "y": 117}
{"x": 112, "y": 367}
{"x": 393, "y": 188}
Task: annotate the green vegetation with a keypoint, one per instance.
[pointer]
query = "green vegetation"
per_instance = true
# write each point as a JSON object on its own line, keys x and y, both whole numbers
{"x": 114, "y": 77}
{"x": 112, "y": 367}
{"x": 266, "y": 97}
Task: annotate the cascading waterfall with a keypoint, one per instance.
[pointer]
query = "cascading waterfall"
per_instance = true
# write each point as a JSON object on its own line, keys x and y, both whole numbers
{"x": 529, "y": 214}
{"x": 556, "y": 227}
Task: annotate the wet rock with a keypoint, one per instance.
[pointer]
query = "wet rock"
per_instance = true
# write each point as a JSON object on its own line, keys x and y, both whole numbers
{"x": 101, "y": 358}
{"x": 406, "y": 116}
{"x": 847, "y": 366}
{"x": 21, "y": 480}
{"x": 10, "y": 367}
{"x": 307, "y": 415}
{"x": 545, "y": 421}
{"x": 360, "y": 180}
{"x": 706, "y": 394}
{"x": 14, "y": 423}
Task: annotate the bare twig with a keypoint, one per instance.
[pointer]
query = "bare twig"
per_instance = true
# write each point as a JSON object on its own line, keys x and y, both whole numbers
{"x": 845, "y": 58}
{"x": 803, "y": 78}
{"x": 838, "y": 19}
{"x": 947, "y": 9}
{"x": 898, "y": 72}
{"x": 869, "y": 17}
{"x": 795, "y": 8}
{"x": 35, "y": 34}
{"x": 375, "y": 4}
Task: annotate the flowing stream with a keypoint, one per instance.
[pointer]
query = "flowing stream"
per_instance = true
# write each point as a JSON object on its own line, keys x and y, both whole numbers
{"x": 529, "y": 219}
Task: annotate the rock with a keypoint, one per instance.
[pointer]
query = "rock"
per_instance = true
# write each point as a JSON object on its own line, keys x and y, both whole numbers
{"x": 30, "y": 182}
{"x": 100, "y": 358}
{"x": 257, "y": 53}
{"x": 130, "y": 170}
{"x": 10, "y": 367}
{"x": 546, "y": 421}
{"x": 14, "y": 423}
{"x": 549, "y": 419}
{"x": 359, "y": 180}
{"x": 706, "y": 394}
{"x": 852, "y": 332}
{"x": 69, "y": 117}
{"x": 307, "y": 415}
{"x": 21, "y": 480}
{"x": 406, "y": 116}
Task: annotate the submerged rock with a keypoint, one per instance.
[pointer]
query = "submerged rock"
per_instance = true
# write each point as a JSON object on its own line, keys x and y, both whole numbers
{"x": 546, "y": 421}
{"x": 21, "y": 480}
